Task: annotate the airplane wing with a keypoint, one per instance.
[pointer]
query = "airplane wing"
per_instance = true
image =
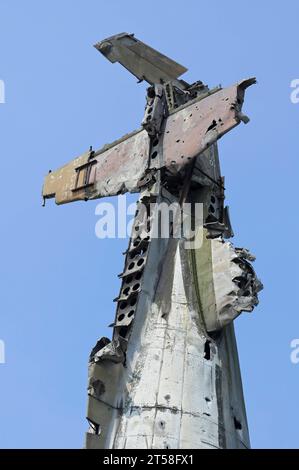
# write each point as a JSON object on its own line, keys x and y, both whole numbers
{"x": 131, "y": 162}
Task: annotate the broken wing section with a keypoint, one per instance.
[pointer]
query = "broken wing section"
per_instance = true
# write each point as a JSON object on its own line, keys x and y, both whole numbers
{"x": 191, "y": 130}
{"x": 114, "y": 169}
{"x": 140, "y": 59}
{"x": 130, "y": 162}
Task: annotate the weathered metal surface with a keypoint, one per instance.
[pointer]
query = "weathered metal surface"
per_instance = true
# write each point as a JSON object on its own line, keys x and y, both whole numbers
{"x": 170, "y": 376}
{"x": 140, "y": 59}
{"x": 193, "y": 129}
{"x": 179, "y": 388}
{"x": 120, "y": 168}
{"x": 109, "y": 172}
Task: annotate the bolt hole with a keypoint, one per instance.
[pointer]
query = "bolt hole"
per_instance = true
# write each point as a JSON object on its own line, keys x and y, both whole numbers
{"x": 154, "y": 154}
{"x": 138, "y": 276}
{"x": 140, "y": 262}
{"x": 123, "y": 305}
{"x": 131, "y": 265}
{"x": 121, "y": 317}
{"x": 131, "y": 313}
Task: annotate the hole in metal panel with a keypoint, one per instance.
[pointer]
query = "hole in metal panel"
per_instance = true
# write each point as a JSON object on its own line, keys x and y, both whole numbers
{"x": 207, "y": 350}
{"x": 237, "y": 424}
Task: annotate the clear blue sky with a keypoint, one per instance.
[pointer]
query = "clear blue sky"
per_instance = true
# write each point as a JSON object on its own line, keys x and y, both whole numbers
{"x": 57, "y": 279}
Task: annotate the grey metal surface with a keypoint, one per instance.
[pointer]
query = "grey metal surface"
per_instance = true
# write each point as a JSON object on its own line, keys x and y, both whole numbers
{"x": 140, "y": 59}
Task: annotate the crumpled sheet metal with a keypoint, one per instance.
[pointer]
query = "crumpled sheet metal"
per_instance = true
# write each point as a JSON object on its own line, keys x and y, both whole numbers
{"x": 113, "y": 351}
{"x": 228, "y": 284}
{"x": 123, "y": 165}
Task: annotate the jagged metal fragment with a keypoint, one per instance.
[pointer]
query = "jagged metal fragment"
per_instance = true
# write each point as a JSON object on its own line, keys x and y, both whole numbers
{"x": 228, "y": 284}
{"x": 113, "y": 351}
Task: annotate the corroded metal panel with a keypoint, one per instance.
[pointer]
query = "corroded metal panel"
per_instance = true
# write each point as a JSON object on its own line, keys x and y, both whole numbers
{"x": 189, "y": 131}
{"x": 110, "y": 171}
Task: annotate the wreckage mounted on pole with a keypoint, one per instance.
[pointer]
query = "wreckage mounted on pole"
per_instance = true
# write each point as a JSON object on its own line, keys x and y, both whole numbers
{"x": 169, "y": 378}
{"x": 173, "y": 108}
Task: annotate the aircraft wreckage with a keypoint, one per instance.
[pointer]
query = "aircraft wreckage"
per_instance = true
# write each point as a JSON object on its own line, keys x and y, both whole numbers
{"x": 170, "y": 376}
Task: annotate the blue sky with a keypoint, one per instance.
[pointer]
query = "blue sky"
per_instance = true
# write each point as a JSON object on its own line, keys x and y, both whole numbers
{"x": 57, "y": 279}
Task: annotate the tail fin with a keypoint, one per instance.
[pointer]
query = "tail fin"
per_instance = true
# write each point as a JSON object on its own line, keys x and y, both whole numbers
{"x": 140, "y": 59}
